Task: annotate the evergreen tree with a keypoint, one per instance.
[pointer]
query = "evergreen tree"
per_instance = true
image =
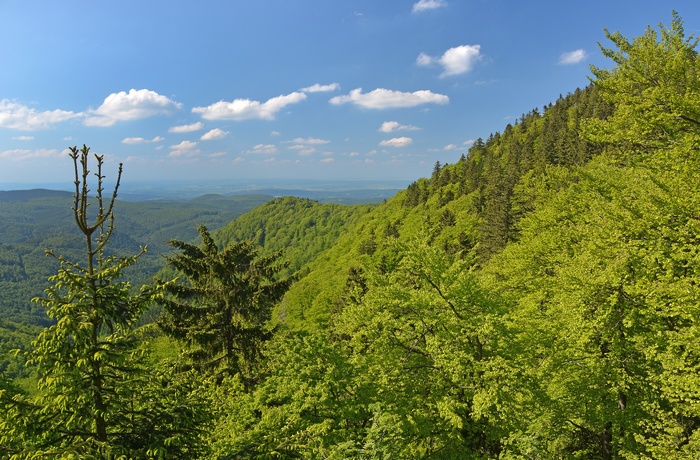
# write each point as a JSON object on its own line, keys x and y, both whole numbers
{"x": 221, "y": 308}
{"x": 95, "y": 396}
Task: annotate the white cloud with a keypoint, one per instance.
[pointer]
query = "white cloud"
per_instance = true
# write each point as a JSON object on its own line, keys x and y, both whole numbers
{"x": 397, "y": 142}
{"x": 573, "y": 57}
{"x": 22, "y": 154}
{"x": 141, "y": 140}
{"x": 455, "y": 61}
{"x": 245, "y": 109}
{"x": 424, "y": 59}
{"x": 21, "y": 117}
{"x": 184, "y": 148}
{"x": 316, "y": 88}
{"x": 382, "y": 98}
{"x": 215, "y": 133}
{"x": 187, "y": 128}
{"x": 390, "y": 126}
{"x": 310, "y": 140}
{"x": 217, "y": 154}
{"x": 23, "y": 138}
{"x": 303, "y": 150}
{"x": 275, "y": 133}
{"x": 328, "y": 160}
{"x": 450, "y": 147}
{"x": 263, "y": 149}
{"x": 134, "y": 140}
{"x": 134, "y": 105}
{"x": 424, "y": 5}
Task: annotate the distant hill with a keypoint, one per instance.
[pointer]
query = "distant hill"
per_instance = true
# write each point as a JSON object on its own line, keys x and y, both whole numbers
{"x": 301, "y": 228}
{"x": 32, "y": 221}
{"x": 24, "y": 195}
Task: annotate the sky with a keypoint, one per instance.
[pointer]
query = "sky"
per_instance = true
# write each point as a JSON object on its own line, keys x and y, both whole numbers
{"x": 288, "y": 89}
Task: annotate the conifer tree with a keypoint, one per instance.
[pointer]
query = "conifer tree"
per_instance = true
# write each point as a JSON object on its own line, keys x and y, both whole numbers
{"x": 221, "y": 308}
{"x": 95, "y": 396}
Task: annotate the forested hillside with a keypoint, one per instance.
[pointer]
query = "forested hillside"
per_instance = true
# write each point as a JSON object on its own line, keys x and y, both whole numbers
{"x": 299, "y": 227}
{"x": 32, "y": 221}
{"x": 537, "y": 299}
{"x": 470, "y": 209}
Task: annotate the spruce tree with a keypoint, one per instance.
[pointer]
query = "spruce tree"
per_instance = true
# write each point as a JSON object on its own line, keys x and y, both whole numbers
{"x": 96, "y": 397}
{"x": 222, "y": 306}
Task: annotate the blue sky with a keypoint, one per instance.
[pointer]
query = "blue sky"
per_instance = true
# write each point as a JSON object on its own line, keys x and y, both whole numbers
{"x": 294, "y": 89}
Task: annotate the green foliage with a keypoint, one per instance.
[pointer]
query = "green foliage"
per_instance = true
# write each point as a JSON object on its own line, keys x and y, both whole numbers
{"x": 654, "y": 88}
{"x": 302, "y": 228}
{"x": 603, "y": 282}
{"x": 388, "y": 379}
{"x": 222, "y": 309}
{"x": 307, "y": 405}
{"x": 95, "y": 395}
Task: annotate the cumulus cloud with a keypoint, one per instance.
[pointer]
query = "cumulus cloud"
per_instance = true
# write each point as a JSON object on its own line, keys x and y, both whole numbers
{"x": 187, "y": 128}
{"x": 21, "y": 117}
{"x": 391, "y": 126}
{"x": 425, "y": 5}
{"x": 317, "y": 88}
{"x": 141, "y": 140}
{"x": 23, "y": 138}
{"x": 24, "y": 154}
{"x": 573, "y": 57}
{"x": 246, "y": 109}
{"x": 397, "y": 142}
{"x": 134, "y": 105}
{"x": 263, "y": 149}
{"x": 328, "y": 160}
{"x": 215, "y": 133}
{"x": 382, "y": 98}
{"x": 454, "y": 61}
{"x": 184, "y": 149}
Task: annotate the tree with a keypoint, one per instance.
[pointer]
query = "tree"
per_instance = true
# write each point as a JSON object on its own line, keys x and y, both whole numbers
{"x": 654, "y": 89}
{"x": 221, "y": 308}
{"x": 95, "y": 397}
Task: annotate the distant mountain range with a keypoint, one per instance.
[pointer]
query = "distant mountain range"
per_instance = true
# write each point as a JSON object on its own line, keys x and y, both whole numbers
{"x": 343, "y": 192}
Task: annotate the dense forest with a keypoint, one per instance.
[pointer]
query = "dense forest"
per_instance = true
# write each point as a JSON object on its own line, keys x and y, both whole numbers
{"x": 536, "y": 299}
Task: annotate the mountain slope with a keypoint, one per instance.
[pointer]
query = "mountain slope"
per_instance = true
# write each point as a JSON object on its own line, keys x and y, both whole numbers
{"x": 471, "y": 208}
